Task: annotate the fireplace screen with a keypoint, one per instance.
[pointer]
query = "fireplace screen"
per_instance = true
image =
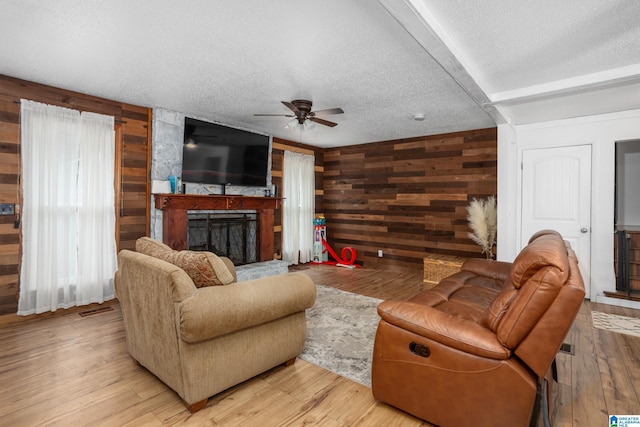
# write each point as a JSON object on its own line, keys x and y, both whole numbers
{"x": 233, "y": 235}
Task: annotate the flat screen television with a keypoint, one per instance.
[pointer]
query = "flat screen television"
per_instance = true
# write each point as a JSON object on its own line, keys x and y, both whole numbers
{"x": 216, "y": 154}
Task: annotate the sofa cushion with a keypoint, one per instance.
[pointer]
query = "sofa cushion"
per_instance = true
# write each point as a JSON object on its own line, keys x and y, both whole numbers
{"x": 539, "y": 272}
{"x": 499, "y": 307}
{"x": 463, "y": 295}
{"x": 546, "y": 250}
{"x": 204, "y": 268}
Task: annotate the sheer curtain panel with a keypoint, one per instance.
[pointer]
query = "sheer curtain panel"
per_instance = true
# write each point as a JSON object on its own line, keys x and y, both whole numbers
{"x": 298, "y": 207}
{"x": 68, "y": 214}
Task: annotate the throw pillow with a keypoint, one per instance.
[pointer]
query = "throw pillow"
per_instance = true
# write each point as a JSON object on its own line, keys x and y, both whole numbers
{"x": 222, "y": 271}
{"x": 204, "y": 268}
{"x": 149, "y": 246}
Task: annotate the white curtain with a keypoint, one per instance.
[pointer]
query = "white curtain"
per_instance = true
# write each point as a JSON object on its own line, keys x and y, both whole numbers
{"x": 298, "y": 207}
{"x": 68, "y": 214}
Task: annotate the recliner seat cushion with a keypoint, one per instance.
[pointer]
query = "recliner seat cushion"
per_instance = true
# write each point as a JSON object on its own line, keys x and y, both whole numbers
{"x": 464, "y": 295}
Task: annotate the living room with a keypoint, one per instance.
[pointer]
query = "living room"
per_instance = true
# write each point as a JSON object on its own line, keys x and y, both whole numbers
{"x": 366, "y": 186}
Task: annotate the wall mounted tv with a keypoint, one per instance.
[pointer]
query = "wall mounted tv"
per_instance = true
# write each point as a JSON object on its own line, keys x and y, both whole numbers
{"x": 216, "y": 154}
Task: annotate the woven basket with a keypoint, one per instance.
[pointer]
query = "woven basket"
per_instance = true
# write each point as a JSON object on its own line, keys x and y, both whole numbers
{"x": 437, "y": 267}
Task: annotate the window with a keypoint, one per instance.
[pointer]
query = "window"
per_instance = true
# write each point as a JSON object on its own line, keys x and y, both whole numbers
{"x": 298, "y": 207}
{"x": 68, "y": 215}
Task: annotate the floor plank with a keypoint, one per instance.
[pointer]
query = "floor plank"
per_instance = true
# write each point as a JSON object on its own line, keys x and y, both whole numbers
{"x": 64, "y": 369}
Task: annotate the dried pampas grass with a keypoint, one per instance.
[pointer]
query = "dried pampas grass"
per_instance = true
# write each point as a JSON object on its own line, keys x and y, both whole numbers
{"x": 483, "y": 221}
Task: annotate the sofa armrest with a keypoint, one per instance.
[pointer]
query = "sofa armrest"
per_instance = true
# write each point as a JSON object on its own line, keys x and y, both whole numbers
{"x": 498, "y": 270}
{"x": 448, "y": 330}
{"x": 218, "y": 310}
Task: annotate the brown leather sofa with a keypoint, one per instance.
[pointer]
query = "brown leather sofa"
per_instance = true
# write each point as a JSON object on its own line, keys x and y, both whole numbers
{"x": 472, "y": 350}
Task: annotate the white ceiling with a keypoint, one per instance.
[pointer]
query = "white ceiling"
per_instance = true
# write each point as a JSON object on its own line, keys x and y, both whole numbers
{"x": 463, "y": 64}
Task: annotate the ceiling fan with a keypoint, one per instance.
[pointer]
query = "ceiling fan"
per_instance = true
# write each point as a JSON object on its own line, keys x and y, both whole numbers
{"x": 301, "y": 109}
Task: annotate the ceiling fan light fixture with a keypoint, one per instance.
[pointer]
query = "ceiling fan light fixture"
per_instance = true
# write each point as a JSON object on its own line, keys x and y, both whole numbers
{"x": 292, "y": 124}
{"x": 308, "y": 125}
{"x": 304, "y": 118}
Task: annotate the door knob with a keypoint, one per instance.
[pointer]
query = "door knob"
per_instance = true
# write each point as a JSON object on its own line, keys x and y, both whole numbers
{"x": 584, "y": 230}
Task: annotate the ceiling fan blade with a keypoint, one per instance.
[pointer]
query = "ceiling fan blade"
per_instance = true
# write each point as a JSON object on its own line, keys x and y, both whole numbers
{"x": 291, "y": 107}
{"x": 322, "y": 121}
{"x": 330, "y": 111}
{"x": 274, "y": 115}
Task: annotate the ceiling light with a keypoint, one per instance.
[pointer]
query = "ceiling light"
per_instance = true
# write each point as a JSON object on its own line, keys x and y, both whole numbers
{"x": 292, "y": 124}
{"x": 418, "y": 117}
{"x": 309, "y": 124}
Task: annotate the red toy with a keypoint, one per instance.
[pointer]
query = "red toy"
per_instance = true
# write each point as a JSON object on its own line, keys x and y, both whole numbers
{"x": 347, "y": 260}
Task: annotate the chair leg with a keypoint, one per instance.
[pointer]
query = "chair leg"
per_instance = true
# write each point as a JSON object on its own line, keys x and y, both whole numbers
{"x": 290, "y": 362}
{"x": 196, "y": 406}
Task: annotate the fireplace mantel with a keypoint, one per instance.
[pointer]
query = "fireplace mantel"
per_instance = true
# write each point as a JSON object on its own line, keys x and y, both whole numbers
{"x": 174, "y": 209}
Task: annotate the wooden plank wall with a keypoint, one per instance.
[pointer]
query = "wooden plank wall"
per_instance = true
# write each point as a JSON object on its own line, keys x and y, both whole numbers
{"x": 133, "y": 125}
{"x": 279, "y": 146}
{"x": 408, "y": 197}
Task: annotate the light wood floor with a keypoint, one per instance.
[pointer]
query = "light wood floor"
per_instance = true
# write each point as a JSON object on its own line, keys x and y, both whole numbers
{"x": 68, "y": 370}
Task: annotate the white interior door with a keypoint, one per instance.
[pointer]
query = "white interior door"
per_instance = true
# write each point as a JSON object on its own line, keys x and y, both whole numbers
{"x": 556, "y": 194}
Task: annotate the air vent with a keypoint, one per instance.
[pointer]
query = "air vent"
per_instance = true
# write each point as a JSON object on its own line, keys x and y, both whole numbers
{"x": 566, "y": 348}
{"x": 96, "y": 311}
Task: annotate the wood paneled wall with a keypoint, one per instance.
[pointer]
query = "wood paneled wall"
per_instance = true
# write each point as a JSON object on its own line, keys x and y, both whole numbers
{"x": 408, "y": 197}
{"x": 279, "y": 146}
{"x": 133, "y": 125}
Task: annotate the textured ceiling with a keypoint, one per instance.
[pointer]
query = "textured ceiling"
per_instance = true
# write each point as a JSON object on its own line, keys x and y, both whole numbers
{"x": 464, "y": 65}
{"x": 516, "y": 44}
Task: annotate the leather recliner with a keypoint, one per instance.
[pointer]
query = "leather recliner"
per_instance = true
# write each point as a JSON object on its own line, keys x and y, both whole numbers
{"x": 471, "y": 350}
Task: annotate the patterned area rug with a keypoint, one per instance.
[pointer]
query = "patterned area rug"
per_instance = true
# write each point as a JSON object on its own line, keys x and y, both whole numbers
{"x": 616, "y": 323}
{"x": 341, "y": 327}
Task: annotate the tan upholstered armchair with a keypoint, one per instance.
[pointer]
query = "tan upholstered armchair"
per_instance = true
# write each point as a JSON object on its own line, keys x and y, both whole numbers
{"x": 472, "y": 350}
{"x": 201, "y": 341}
